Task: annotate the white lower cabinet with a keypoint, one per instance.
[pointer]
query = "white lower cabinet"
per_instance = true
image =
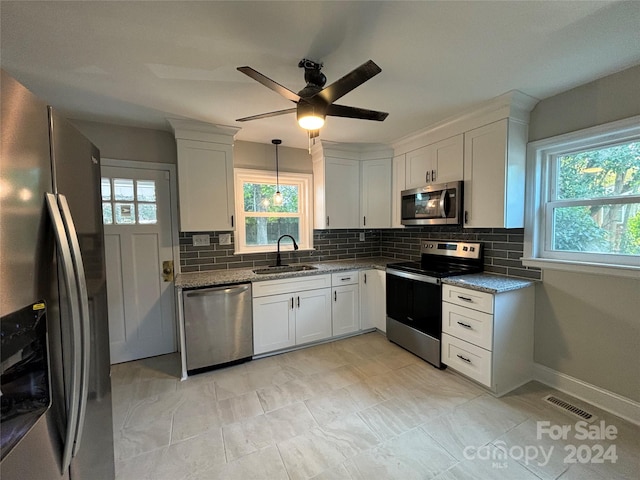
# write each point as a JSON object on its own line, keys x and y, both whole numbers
{"x": 345, "y": 308}
{"x": 291, "y": 312}
{"x": 489, "y": 337}
{"x": 373, "y": 308}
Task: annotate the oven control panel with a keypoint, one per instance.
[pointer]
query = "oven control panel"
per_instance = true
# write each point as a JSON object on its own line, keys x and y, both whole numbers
{"x": 469, "y": 250}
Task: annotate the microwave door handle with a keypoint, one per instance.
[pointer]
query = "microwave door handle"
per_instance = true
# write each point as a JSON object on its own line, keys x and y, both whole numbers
{"x": 444, "y": 203}
{"x": 76, "y": 256}
{"x": 68, "y": 273}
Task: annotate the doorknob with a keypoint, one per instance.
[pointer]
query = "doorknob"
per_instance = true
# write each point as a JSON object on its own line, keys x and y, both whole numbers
{"x": 167, "y": 271}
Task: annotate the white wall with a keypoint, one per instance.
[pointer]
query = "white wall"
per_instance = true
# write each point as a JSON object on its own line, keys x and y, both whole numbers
{"x": 130, "y": 143}
{"x": 588, "y": 326}
{"x": 263, "y": 157}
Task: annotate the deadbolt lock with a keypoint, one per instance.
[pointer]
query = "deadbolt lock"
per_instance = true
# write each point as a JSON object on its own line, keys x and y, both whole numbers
{"x": 167, "y": 270}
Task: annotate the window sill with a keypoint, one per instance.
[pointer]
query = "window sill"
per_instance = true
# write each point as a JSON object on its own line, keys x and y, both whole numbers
{"x": 628, "y": 271}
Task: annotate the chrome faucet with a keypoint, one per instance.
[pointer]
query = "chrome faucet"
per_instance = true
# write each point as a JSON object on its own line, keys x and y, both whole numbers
{"x": 295, "y": 247}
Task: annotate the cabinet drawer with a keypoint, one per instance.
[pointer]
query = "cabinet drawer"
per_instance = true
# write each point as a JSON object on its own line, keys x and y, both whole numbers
{"x": 468, "y": 298}
{"x": 472, "y": 361}
{"x": 288, "y": 285}
{"x": 344, "y": 278}
{"x": 467, "y": 324}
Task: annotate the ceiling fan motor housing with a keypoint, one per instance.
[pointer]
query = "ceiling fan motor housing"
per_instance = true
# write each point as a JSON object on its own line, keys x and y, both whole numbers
{"x": 312, "y": 73}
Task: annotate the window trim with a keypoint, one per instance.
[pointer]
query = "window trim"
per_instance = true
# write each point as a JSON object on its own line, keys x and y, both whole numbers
{"x": 538, "y": 204}
{"x": 305, "y": 204}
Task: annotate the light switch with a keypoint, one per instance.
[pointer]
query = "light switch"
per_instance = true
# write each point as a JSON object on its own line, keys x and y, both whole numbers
{"x": 201, "y": 240}
{"x": 362, "y": 236}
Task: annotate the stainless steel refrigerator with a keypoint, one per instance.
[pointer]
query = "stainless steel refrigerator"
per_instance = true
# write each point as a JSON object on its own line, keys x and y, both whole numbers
{"x": 56, "y": 391}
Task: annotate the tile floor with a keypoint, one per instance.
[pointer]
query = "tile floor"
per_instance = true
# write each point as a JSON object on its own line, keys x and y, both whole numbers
{"x": 359, "y": 408}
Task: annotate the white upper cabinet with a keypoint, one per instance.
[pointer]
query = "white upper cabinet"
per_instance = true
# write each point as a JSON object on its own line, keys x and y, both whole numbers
{"x": 337, "y": 193}
{"x": 398, "y": 185}
{"x": 352, "y": 187}
{"x": 440, "y": 162}
{"x": 205, "y": 176}
{"x": 494, "y": 175}
{"x": 375, "y": 204}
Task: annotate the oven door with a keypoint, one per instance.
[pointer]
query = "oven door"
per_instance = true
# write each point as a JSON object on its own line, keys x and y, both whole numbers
{"x": 416, "y": 301}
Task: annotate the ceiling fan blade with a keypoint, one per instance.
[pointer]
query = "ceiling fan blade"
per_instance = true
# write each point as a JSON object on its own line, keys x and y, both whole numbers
{"x": 267, "y": 82}
{"x": 267, "y": 115}
{"x": 350, "y": 81}
{"x": 355, "y": 112}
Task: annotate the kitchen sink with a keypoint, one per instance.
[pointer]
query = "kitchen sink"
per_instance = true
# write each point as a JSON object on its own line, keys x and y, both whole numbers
{"x": 284, "y": 269}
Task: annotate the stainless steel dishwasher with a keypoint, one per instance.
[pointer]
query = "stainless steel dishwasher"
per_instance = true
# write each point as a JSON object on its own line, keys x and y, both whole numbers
{"x": 218, "y": 325}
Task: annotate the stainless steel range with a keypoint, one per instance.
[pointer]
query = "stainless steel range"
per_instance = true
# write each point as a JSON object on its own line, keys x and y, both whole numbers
{"x": 414, "y": 294}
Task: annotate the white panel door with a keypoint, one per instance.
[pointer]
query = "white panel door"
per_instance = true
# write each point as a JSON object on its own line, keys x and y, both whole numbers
{"x": 137, "y": 227}
{"x": 342, "y": 193}
{"x": 376, "y": 194}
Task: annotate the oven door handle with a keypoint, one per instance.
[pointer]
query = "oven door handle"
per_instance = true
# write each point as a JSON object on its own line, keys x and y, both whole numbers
{"x": 414, "y": 276}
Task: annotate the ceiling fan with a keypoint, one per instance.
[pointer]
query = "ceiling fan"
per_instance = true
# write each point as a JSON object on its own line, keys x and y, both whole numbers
{"x": 315, "y": 101}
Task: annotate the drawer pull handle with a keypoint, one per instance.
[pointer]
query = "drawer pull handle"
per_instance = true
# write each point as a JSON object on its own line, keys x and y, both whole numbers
{"x": 463, "y": 358}
{"x": 465, "y": 325}
{"x": 345, "y": 279}
{"x": 466, "y": 299}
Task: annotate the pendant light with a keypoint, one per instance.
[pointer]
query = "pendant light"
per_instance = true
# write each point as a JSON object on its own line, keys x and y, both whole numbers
{"x": 277, "y": 198}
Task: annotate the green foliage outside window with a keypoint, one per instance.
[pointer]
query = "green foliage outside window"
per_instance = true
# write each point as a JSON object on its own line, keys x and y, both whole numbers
{"x": 598, "y": 174}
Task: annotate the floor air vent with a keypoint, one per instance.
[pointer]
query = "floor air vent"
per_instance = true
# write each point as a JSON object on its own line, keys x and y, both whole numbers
{"x": 570, "y": 408}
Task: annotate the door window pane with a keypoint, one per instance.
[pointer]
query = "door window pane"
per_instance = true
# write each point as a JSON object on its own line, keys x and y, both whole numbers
{"x": 125, "y": 213}
{"x": 147, "y": 213}
{"x": 146, "y": 190}
{"x": 107, "y": 213}
{"x": 123, "y": 189}
{"x": 105, "y": 187}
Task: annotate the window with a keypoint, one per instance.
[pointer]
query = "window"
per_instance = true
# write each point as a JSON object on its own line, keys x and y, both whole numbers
{"x": 584, "y": 200}
{"x": 261, "y": 221}
{"x": 128, "y": 202}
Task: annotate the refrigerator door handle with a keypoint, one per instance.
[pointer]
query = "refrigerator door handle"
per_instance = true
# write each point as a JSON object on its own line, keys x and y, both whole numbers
{"x": 72, "y": 289}
{"x": 84, "y": 315}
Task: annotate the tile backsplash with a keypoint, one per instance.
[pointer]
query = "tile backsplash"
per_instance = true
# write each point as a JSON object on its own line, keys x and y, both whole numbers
{"x": 503, "y": 248}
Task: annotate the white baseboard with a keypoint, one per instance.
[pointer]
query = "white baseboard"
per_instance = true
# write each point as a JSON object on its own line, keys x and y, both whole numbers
{"x": 611, "y": 402}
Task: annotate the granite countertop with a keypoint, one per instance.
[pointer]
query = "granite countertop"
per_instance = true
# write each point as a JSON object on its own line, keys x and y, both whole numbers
{"x": 238, "y": 275}
{"x": 485, "y": 282}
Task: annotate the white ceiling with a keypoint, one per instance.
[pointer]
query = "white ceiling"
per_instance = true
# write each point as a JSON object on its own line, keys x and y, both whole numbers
{"x": 137, "y": 63}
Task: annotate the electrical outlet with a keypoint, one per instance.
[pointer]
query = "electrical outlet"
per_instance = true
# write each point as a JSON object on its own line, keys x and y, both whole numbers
{"x": 225, "y": 239}
{"x": 201, "y": 240}
{"x": 362, "y": 236}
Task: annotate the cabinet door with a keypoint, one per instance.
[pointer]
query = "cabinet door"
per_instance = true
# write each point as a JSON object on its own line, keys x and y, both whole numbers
{"x": 494, "y": 175}
{"x": 273, "y": 323}
{"x": 345, "y": 310}
{"x": 448, "y": 160}
{"x": 418, "y": 164}
{"x": 376, "y": 194}
{"x": 342, "y": 193}
{"x": 205, "y": 186}
{"x": 398, "y": 185}
{"x": 313, "y": 315}
{"x": 372, "y": 300}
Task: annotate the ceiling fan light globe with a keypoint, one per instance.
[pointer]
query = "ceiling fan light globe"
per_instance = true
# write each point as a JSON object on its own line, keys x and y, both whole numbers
{"x": 311, "y": 122}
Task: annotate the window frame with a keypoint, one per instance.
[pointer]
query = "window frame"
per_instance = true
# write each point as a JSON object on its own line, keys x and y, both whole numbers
{"x": 542, "y": 157}
{"x": 305, "y": 206}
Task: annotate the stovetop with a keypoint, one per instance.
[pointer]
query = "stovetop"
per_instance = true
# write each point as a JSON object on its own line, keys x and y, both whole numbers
{"x": 435, "y": 270}
{"x": 445, "y": 258}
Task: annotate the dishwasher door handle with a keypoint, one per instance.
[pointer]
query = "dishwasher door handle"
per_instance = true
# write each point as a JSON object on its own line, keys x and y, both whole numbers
{"x": 228, "y": 290}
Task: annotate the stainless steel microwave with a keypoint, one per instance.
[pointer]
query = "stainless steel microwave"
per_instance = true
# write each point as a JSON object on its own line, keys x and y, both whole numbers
{"x": 433, "y": 205}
